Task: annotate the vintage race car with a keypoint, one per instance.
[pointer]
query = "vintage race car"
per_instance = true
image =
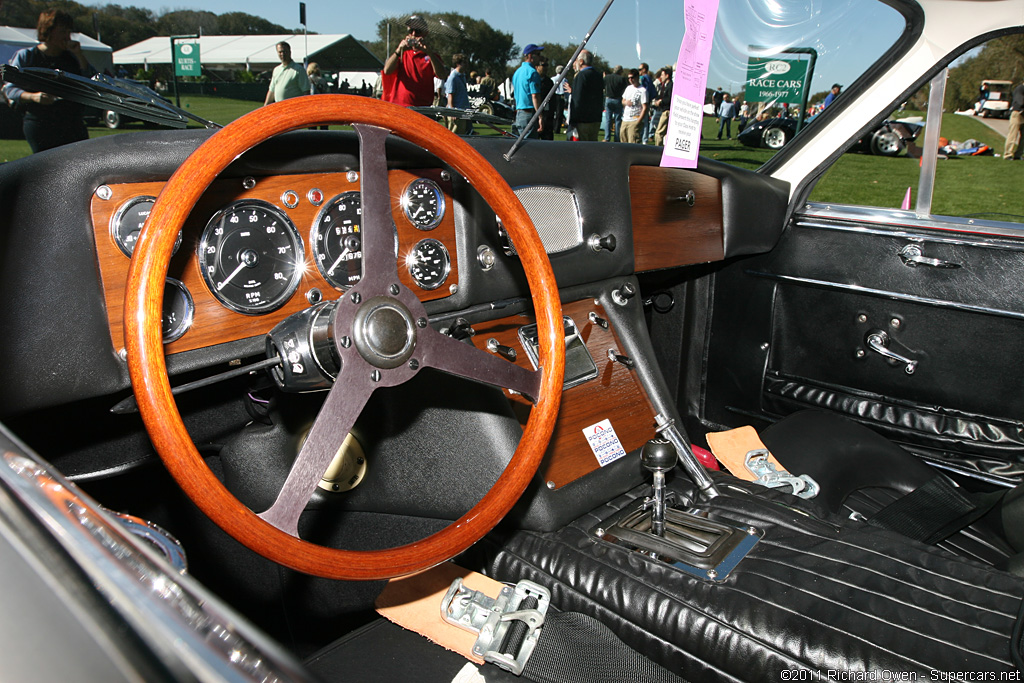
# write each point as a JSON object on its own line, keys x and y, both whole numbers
{"x": 340, "y": 372}
{"x": 889, "y": 139}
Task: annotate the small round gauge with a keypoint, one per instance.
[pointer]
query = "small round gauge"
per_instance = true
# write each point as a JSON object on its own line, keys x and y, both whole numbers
{"x": 126, "y": 224}
{"x": 251, "y": 257}
{"x": 428, "y": 264}
{"x": 423, "y": 203}
{"x": 178, "y": 310}
{"x": 338, "y": 242}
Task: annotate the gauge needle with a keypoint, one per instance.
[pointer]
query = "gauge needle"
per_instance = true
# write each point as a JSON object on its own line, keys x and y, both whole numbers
{"x": 330, "y": 271}
{"x": 231, "y": 277}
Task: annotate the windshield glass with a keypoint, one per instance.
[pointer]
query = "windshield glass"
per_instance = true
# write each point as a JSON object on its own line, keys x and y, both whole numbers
{"x": 774, "y": 61}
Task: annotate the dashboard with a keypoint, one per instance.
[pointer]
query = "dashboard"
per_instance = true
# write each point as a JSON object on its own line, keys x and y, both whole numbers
{"x": 256, "y": 250}
{"x": 279, "y": 231}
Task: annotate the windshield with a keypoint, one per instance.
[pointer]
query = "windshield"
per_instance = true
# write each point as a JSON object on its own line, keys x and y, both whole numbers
{"x": 775, "y": 61}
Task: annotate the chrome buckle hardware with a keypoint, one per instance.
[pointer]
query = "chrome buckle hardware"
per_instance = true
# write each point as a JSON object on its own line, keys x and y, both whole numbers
{"x": 493, "y": 617}
{"x": 758, "y": 464}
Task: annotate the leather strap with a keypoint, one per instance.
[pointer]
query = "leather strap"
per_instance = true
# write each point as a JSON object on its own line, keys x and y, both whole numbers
{"x": 731, "y": 448}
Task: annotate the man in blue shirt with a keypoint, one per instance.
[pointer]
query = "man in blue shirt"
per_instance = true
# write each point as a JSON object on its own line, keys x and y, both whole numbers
{"x": 832, "y": 95}
{"x": 526, "y": 90}
{"x": 458, "y": 94}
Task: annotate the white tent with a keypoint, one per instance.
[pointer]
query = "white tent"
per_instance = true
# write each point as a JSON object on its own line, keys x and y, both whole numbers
{"x": 13, "y": 39}
{"x": 259, "y": 53}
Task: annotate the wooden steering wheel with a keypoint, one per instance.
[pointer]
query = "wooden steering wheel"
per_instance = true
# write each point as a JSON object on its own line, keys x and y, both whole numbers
{"x": 379, "y": 330}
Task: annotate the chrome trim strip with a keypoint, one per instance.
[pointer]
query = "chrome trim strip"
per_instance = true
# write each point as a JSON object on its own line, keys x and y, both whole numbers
{"x": 870, "y": 291}
{"x": 188, "y": 628}
{"x": 975, "y": 231}
{"x": 913, "y": 236}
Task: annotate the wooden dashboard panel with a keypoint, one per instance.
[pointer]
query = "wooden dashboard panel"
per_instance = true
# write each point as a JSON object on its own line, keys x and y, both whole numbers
{"x": 215, "y": 324}
{"x": 667, "y": 231}
{"x": 615, "y": 394}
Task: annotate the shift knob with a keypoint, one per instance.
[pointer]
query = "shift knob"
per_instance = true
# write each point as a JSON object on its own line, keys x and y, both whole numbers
{"x": 658, "y": 455}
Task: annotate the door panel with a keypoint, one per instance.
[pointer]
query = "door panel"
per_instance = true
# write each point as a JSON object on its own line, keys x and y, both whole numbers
{"x": 830, "y": 285}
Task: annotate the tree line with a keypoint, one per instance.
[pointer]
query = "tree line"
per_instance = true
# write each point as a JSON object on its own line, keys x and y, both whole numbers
{"x": 119, "y": 27}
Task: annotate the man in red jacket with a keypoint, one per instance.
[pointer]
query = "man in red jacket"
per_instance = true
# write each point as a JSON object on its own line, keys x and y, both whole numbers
{"x": 409, "y": 72}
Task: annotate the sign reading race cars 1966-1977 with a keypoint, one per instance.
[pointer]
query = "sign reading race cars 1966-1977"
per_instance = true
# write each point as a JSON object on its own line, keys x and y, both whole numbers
{"x": 780, "y": 81}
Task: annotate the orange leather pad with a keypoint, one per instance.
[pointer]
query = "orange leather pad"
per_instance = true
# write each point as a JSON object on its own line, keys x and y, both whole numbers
{"x": 731, "y": 449}
{"x": 414, "y": 602}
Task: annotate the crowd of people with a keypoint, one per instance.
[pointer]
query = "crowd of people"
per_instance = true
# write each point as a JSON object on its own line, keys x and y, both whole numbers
{"x": 629, "y": 105}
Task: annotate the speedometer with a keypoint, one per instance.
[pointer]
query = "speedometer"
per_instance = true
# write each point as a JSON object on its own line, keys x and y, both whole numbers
{"x": 338, "y": 242}
{"x": 251, "y": 257}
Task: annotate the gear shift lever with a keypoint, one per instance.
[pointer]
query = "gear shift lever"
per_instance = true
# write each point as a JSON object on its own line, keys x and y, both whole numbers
{"x": 658, "y": 456}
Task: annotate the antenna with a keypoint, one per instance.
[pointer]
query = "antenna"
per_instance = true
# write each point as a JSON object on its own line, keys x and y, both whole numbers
{"x": 554, "y": 88}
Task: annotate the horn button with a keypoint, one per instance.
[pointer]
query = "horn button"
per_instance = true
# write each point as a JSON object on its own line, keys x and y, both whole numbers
{"x": 384, "y": 332}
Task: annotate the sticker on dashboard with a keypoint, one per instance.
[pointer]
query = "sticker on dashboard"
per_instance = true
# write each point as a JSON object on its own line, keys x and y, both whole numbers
{"x": 604, "y": 442}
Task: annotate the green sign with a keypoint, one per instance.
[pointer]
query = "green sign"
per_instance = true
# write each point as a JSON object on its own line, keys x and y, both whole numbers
{"x": 775, "y": 80}
{"x": 186, "y": 60}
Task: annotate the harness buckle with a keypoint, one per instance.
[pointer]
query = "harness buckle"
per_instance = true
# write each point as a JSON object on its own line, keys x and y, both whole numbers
{"x": 494, "y": 618}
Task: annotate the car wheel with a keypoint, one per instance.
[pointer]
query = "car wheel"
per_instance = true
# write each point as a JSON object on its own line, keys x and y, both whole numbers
{"x": 774, "y": 137}
{"x": 486, "y": 108}
{"x": 886, "y": 143}
{"x": 111, "y": 119}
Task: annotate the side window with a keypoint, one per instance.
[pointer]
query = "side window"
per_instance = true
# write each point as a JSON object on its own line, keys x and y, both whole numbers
{"x": 966, "y": 171}
{"x": 775, "y": 66}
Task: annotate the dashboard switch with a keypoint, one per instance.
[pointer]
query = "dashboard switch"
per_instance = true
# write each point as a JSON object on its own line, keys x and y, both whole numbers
{"x": 598, "y": 243}
{"x": 496, "y": 347}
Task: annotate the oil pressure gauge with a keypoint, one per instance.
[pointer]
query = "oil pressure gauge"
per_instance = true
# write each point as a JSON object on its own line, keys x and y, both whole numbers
{"x": 428, "y": 264}
{"x": 423, "y": 203}
{"x": 178, "y": 310}
{"x": 126, "y": 224}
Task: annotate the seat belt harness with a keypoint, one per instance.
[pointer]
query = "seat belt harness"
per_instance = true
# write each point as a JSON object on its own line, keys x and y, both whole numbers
{"x": 508, "y": 625}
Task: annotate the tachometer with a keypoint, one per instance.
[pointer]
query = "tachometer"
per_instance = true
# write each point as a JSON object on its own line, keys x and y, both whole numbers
{"x": 251, "y": 257}
{"x": 337, "y": 240}
{"x": 423, "y": 203}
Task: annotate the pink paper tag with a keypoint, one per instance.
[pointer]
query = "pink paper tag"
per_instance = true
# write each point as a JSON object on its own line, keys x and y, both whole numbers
{"x": 682, "y": 142}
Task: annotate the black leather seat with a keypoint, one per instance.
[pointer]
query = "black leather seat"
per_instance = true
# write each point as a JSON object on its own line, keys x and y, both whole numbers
{"x": 821, "y": 591}
{"x": 861, "y": 472}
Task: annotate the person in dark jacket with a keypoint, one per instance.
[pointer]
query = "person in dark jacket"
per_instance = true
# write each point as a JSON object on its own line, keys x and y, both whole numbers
{"x": 615, "y": 84}
{"x": 586, "y": 98}
{"x": 50, "y": 122}
{"x": 663, "y": 105}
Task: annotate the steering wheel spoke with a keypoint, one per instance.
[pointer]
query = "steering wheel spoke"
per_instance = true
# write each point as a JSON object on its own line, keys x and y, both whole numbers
{"x": 380, "y": 261}
{"x": 344, "y": 403}
{"x": 464, "y": 360}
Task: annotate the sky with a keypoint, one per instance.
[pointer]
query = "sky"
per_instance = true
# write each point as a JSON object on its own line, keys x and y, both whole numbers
{"x": 632, "y": 31}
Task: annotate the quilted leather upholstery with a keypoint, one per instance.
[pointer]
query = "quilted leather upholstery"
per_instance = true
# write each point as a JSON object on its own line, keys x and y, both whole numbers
{"x": 817, "y": 593}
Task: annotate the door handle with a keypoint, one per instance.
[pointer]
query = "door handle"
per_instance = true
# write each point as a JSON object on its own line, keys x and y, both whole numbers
{"x": 878, "y": 341}
{"x": 911, "y": 255}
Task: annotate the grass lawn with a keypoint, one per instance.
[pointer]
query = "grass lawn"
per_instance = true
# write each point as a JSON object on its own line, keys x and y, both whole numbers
{"x": 979, "y": 186}
{"x": 984, "y": 186}
{"x": 217, "y": 109}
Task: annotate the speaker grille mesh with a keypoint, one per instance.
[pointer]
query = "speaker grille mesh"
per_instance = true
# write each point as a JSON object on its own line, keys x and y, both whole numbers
{"x": 556, "y": 215}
